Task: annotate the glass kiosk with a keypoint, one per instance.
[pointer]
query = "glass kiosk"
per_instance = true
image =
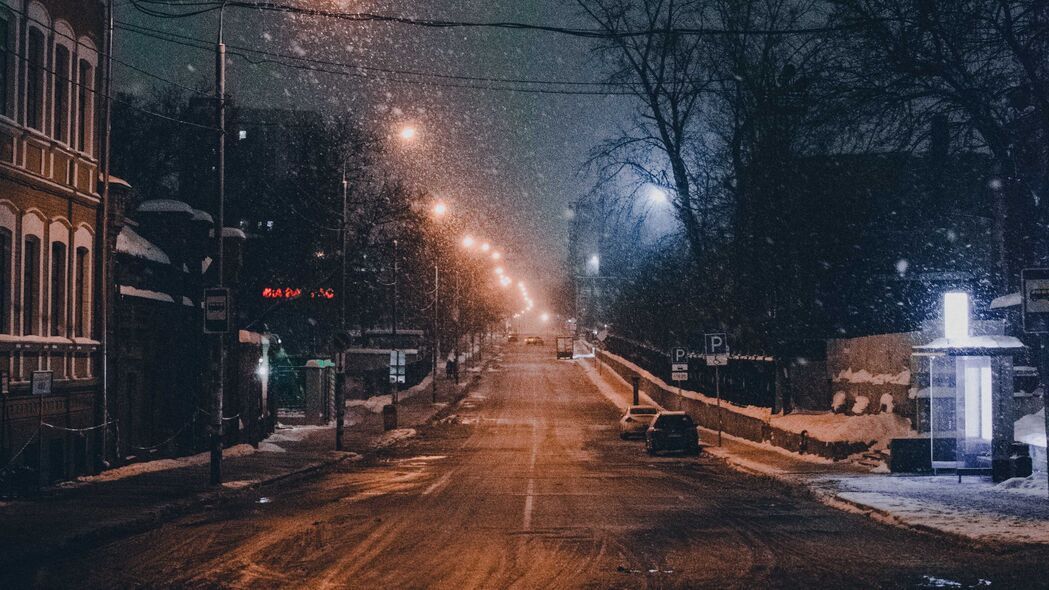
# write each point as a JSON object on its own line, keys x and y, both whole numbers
{"x": 969, "y": 415}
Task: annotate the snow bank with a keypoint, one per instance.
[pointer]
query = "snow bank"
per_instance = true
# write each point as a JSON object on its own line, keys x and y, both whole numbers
{"x": 129, "y": 291}
{"x": 1035, "y": 485}
{"x": 1031, "y": 429}
{"x": 294, "y": 434}
{"x": 879, "y": 428}
{"x": 242, "y": 450}
{"x": 394, "y": 436}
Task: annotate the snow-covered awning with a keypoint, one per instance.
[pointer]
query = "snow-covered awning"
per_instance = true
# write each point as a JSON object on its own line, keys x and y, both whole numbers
{"x": 199, "y": 215}
{"x": 165, "y": 206}
{"x": 230, "y": 232}
{"x": 132, "y": 244}
{"x": 990, "y": 345}
{"x": 1010, "y": 300}
{"x": 129, "y": 291}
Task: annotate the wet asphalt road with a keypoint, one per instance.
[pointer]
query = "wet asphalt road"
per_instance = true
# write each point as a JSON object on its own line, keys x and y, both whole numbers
{"x": 530, "y": 487}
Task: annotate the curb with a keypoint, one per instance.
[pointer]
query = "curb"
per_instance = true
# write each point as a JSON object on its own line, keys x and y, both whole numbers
{"x": 167, "y": 512}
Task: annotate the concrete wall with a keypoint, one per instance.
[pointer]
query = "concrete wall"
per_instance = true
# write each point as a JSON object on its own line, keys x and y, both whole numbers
{"x": 872, "y": 366}
{"x": 734, "y": 423}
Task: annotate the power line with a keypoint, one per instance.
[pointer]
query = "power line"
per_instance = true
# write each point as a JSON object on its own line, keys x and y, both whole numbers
{"x": 511, "y": 25}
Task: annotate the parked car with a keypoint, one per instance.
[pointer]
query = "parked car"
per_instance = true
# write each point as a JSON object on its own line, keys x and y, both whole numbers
{"x": 534, "y": 341}
{"x": 636, "y": 421}
{"x": 512, "y": 338}
{"x": 672, "y": 431}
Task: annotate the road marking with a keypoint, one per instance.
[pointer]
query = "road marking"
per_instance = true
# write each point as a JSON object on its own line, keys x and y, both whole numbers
{"x": 529, "y": 500}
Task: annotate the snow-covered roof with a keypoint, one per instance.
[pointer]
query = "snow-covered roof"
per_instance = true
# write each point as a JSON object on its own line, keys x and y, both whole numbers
{"x": 165, "y": 206}
{"x": 231, "y": 232}
{"x": 1010, "y": 300}
{"x": 132, "y": 244}
{"x": 114, "y": 180}
{"x": 199, "y": 215}
{"x": 973, "y": 346}
{"x": 249, "y": 337}
{"x": 129, "y": 291}
{"x": 187, "y": 301}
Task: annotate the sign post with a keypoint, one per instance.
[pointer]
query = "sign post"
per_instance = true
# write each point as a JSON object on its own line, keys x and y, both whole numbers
{"x": 715, "y": 351}
{"x": 1034, "y": 288}
{"x": 397, "y": 371}
{"x": 679, "y": 366}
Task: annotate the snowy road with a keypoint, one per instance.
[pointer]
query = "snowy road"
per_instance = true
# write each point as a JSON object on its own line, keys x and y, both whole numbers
{"x": 530, "y": 487}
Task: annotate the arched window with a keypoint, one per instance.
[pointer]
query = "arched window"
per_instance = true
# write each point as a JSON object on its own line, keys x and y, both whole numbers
{"x": 58, "y": 289}
{"x": 85, "y": 84}
{"x": 82, "y": 303}
{"x": 8, "y": 61}
{"x": 6, "y": 255}
{"x": 63, "y": 81}
{"x": 35, "y": 80}
{"x": 82, "y": 280}
{"x": 30, "y": 285}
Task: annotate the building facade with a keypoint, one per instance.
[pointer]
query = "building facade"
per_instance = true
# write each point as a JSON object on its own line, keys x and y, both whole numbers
{"x": 49, "y": 213}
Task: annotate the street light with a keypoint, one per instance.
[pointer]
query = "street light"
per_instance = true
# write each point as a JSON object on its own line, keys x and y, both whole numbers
{"x": 485, "y": 247}
{"x": 468, "y": 242}
{"x": 408, "y": 133}
{"x": 496, "y": 256}
{"x": 440, "y": 209}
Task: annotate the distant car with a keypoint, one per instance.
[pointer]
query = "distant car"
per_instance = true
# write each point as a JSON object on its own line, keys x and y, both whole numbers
{"x": 637, "y": 420}
{"x": 534, "y": 341}
{"x": 672, "y": 431}
{"x": 512, "y": 338}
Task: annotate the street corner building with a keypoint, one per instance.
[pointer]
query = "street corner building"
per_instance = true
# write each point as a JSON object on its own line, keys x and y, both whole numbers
{"x": 50, "y": 214}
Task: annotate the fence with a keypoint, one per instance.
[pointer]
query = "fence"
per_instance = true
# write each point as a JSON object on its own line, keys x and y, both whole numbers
{"x": 746, "y": 381}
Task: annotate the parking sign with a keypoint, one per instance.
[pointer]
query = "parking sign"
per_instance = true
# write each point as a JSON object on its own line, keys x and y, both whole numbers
{"x": 715, "y": 349}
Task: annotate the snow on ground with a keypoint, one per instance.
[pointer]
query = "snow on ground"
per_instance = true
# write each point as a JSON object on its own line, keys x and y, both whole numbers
{"x": 394, "y": 436}
{"x": 268, "y": 447}
{"x": 294, "y": 433}
{"x": 134, "y": 469}
{"x": 836, "y": 427}
{"x": 975, "y": 508}
{"x": 375, "y": 403}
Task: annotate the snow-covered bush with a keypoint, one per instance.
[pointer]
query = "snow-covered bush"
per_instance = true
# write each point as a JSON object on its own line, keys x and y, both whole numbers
{"x": 861, "y": 404}
{"x": 837, "y": 404}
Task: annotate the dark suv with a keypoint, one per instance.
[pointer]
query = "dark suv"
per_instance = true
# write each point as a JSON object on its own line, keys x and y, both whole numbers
{"x": 672, "y": 431}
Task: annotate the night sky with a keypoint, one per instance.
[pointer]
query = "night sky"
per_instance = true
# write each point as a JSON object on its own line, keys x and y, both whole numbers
{"x": 511, "y": 160}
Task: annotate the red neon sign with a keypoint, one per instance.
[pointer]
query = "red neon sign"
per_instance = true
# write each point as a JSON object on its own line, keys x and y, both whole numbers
{"x": 290, "y": 293}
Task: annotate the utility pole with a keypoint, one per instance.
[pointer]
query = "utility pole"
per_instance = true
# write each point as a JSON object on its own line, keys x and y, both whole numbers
{"x": 340, "y": 369}
{"x": 436, "y": 338}
{"x": 396, "y": 381}
{"x": 220, "y": 224}
{"x": 104, "y": 267}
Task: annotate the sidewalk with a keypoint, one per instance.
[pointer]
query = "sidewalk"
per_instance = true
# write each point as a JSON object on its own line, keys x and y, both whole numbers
{"x": 140, "y": 496}
{"x": 1014, "y": 512}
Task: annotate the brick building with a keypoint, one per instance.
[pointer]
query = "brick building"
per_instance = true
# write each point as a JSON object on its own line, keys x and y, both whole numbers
{"x": 49, "y": 212}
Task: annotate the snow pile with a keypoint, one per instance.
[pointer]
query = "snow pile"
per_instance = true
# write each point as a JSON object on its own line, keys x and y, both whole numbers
{"x": 887, "y": 404}
{"x": 867, "y": 428}
{"x": 864, "y": 376}
{"x": 837, "y": 404}
{"x": 861, "y": 404}
{"x": 1031, "y": 429}
{"x": 394, "y": 436}
{"x": 1035, "y": 485}
{"x": 293, "y": 433}
{"x": 373, "y": 404}
{"x": 268, "y": 447}
{"x": 242, "y": 450}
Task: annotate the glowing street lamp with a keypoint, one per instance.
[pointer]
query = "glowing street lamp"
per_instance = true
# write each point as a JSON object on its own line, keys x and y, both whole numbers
{"x": 485, "y": 247}
{"x": 408, "y": 133}
{"x": 440, "y": 209}
{"x": 545, "y": 317}
{"x": 496, "y": 256}
{"x": 498, "y": 270}
{"x": 468, "y": 242}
